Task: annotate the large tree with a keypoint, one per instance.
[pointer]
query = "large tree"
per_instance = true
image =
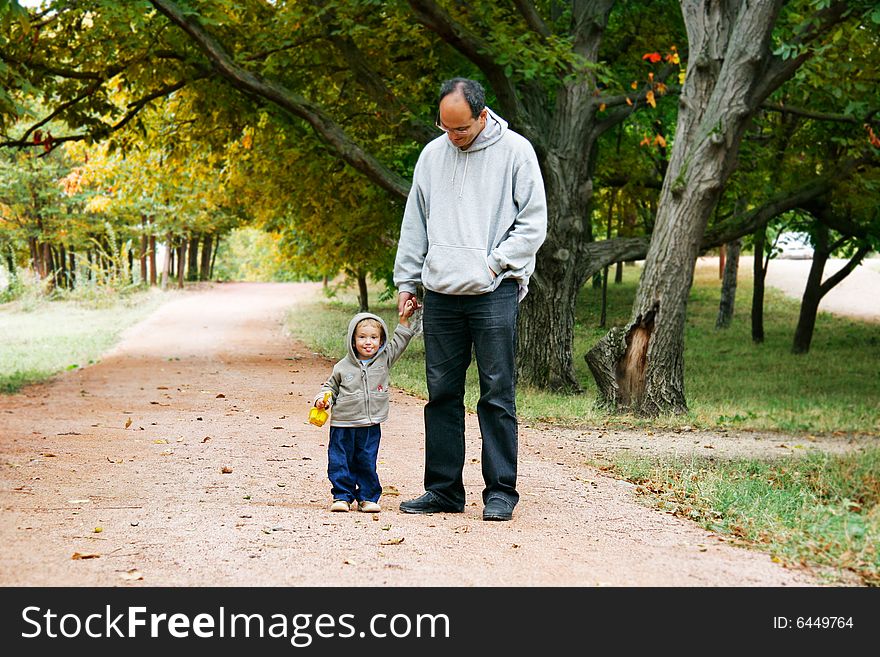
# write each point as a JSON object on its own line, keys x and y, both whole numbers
{"x": 732, "y": 70}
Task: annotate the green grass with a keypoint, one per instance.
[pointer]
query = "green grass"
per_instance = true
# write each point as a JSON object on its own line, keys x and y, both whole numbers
{"x": 729, "y": 381}
{"x": 42, "y": 337}
{"x": 818, "y": 510}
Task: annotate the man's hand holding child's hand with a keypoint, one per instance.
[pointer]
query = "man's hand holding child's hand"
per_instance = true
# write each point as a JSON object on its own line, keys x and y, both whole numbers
{"x": 408, "y": 309}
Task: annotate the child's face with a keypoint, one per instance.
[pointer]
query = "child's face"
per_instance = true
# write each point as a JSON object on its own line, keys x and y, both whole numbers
{"x": 367, "y": 340}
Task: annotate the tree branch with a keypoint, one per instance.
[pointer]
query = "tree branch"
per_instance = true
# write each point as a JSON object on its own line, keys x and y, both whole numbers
{"x": 819, "y": 116}
{"x": 287, "y": 100}
{"x": 532, "y": 17}
{"x": 588, "y": 21}
{"x": 844, "y": 271}
{"x": 104, "y": 130}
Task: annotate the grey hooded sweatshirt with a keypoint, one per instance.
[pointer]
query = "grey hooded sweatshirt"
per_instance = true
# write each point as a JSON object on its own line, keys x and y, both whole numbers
{"x": 360, "y": 388}
{"x": 470, "y": 211}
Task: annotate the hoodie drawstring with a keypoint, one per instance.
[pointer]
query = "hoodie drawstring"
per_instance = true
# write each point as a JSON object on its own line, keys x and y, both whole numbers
{"x": 461, "y": 190}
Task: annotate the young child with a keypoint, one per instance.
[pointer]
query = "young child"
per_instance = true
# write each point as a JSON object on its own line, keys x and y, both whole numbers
{"x": 359, "y": 397}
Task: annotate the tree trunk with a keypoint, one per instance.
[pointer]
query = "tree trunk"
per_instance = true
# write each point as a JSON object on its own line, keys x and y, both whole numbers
{"x": 363, "y": 301}
{"x": 130, "y": 266}
{"x": 153, "y": 260}
{"x": 728, "y": 284}
{"x": 546, "y": 319}
{"x": 758, "y": 272}
{"x": 35, "y": 256}
{"x": 729, "y": 50}
{"x": 91, "y": 262}
{"x": 143, "y": 254}
{"x": 10, "y": 264}
{"x": 62, "y": 279}
{"x": 166, "y": 268}
{"x": 205, "y": 269}
{"x": 49, "y": 265}
{"x": 192, "y": 260}
{"x": 181, "y": 263}
{"x": 72, "y": 269}
{"x": 214, "y": 258}
{"x": 815, "y": 289}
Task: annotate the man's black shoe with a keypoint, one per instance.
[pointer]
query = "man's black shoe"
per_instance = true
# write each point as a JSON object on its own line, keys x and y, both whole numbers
{"x": 497, "y": 508}
{"x": 428, "y": 503}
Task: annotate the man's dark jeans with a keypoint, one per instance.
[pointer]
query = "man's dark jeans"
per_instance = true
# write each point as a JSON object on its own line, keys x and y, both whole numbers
{"x": 454, "y": 326}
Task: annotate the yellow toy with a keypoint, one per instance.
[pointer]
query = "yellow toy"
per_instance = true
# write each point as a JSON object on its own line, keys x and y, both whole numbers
{"x": 318, "y": 416}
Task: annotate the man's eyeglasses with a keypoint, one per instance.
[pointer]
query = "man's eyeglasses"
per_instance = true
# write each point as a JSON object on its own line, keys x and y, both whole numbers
{"x": 457, "y": 131}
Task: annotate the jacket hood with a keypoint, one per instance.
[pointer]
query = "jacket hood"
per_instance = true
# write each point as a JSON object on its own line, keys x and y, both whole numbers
{"x": 495, "y": 128}
{"x": 349, "y": 341}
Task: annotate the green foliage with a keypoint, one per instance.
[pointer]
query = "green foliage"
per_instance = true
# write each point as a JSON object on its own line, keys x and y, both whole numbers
{"x": 250, "y": 254}
{"x": 818, "y": 509}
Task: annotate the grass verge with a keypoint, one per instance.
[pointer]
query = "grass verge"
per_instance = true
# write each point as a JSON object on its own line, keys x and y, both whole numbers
{"x": 42, "y": 337}
{"x": 818, "y": 511}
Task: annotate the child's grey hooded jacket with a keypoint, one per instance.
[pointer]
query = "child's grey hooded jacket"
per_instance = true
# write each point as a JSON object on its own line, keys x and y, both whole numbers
{"x": 360, "y": 389}
{"x": 471, "y": 211}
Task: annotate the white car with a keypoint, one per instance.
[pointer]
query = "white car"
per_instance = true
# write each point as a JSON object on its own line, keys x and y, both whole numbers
{"x": 795, "y": 246}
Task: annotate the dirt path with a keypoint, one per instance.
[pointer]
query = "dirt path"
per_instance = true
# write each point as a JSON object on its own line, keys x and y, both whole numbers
{"x": 210, "y": 381}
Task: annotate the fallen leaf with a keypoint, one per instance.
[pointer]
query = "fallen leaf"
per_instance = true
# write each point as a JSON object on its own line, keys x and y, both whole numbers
{"x": 390, "y": 490}
{"x": 515, "y": 545}
{"x": 89, "y": 555}
{"x": 160, "y": 441}
{"x": 385, "y": 528}
{"x": 206, "y": 439}
{"x": 128, "y": 423}
{"x": 48, "y": 455}
{"x": 98, "y": 530}
{"x": 349, "y": 562}
{"x": 220, "y": 396}
{"x": 114, "y": 461}
{"x": 166, "y": 452}
{"x": 132, "y": 575}
{"x": 375, "y": 518}
{"x": 277, "y": 427}
{"x": 77, "y": 501}
{"x": 392, "y": 541}
{"x": 161, "y": 387}
{"x": 226, "y": 469}
{"x": 281, "y": 485}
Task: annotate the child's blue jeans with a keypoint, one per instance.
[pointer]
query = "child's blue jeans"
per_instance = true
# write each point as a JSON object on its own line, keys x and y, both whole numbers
{"x": 351, "y": 463}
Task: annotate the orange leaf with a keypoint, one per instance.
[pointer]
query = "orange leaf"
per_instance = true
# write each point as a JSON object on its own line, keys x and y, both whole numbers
{"x": 659, "y": 141}
{"x": 628, "y": 101}
{"x": 650, "y": 98}
{"x": 602, "y": 107}
{"x": 634, "y": 85}
{"x": 652, "y": 57}
{"x": 645, "y": 142}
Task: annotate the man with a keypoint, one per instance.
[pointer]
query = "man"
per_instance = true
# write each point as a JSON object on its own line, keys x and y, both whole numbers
{"x": 475, "y": 217}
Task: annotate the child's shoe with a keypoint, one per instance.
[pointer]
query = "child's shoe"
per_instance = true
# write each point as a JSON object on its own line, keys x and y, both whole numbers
{"x": 369, "y": 507}
{"x": 340, "y": 505}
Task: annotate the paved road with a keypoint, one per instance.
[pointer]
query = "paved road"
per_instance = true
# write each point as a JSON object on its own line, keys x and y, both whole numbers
{"x": 858, "y": 295}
